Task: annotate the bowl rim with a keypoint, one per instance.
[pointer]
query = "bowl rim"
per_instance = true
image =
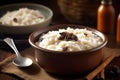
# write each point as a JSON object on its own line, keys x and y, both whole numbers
{"x": 32, "y": 43}
{"x": 28, "y": 4}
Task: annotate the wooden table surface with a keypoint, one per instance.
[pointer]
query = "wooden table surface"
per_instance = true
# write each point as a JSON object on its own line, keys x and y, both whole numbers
{"x": 111, "y": 76}
{"x": 5, "y": 52}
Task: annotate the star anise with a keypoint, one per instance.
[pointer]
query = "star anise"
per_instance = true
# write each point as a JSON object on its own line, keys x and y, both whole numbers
{"x": 67, "y": 36}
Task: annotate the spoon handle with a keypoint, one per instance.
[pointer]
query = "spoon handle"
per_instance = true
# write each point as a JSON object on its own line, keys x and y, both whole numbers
{"x": 10, "y": 42}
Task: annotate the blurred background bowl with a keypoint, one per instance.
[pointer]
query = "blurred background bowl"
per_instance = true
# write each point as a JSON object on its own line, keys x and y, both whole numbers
{"x": 60, "y": 62}
{"x": 79, "y": 11}
{"x": 6, "y": 29}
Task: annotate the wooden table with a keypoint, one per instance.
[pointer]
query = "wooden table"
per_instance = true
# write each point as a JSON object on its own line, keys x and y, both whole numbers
{"x": 4, "y": 54}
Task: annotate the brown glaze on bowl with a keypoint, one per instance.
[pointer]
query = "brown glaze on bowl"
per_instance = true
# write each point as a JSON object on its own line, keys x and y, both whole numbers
{"x": 75, "y": 62}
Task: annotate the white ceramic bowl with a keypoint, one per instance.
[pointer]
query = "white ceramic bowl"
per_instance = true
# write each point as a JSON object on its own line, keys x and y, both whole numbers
{"x": 6, "y": 29}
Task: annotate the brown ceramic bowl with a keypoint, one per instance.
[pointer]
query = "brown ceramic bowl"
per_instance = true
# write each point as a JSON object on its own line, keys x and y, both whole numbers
{"x": 60, "y": 62}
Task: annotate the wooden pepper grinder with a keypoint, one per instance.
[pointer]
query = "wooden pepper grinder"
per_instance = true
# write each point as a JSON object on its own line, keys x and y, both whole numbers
{"x": 106, "y": 17}
{"x": 118, "y": 30}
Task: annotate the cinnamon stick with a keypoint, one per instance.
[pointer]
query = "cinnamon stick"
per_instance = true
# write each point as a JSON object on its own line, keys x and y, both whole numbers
{"x": 101, "y": 75}
{"x": 7, "y": 60}
{"x": 91, "y": 75}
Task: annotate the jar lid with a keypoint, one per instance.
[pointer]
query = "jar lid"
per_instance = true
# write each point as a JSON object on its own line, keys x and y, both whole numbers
{"x": 106, "y": 1}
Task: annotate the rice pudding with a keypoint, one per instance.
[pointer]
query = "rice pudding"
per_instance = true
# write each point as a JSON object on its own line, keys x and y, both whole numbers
{"x": 69, "y": 39}
{"x": 22, "y": 17}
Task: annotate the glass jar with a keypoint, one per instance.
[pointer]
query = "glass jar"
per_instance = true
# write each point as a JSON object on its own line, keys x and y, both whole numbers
{"x": 105, "y": 17}
{"x": 118, "y": 30}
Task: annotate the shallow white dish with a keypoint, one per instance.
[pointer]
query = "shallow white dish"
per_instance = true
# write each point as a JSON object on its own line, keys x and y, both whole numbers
{"x": 6, "y": 29}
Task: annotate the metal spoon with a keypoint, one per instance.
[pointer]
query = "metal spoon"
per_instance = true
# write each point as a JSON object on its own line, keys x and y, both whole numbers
{"x": 19, "y": 60}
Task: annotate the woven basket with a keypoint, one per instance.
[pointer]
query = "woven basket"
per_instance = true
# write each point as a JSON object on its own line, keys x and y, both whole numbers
{"x": 79, "y": 11}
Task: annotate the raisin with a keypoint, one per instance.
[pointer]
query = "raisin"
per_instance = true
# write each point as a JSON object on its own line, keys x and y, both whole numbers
{"x": 65, "y": 48}
{"x": 15, "y": 19}
{"x": 67, "y": 36}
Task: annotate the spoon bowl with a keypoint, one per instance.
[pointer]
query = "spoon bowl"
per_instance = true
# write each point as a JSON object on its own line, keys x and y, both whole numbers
{"x": 22, "y": 62}
{"x": 19, "y": 60}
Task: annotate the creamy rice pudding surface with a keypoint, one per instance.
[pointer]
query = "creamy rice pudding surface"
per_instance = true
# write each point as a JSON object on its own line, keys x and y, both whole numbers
{"x": 69, "y": 40}
{"x": 22, "y": 17}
